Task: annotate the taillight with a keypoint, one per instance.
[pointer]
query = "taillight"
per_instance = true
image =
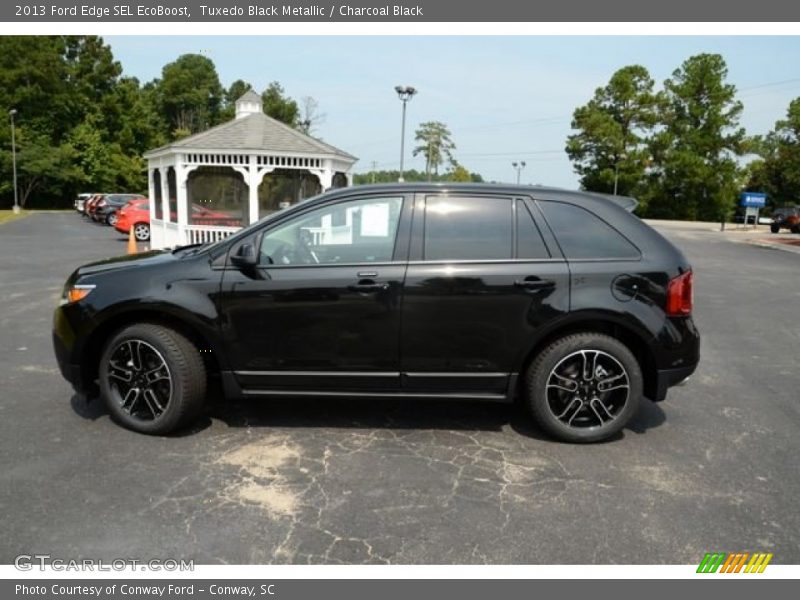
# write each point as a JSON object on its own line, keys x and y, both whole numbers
{"x": 680, "y": 295}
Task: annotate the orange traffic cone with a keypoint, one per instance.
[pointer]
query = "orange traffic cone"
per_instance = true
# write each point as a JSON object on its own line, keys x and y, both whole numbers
{"x": 132, "y": 249}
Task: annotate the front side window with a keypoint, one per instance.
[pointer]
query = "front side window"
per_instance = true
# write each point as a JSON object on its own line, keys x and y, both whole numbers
{"x": 582, "y": 234}
{"x": 359, "y": 231}
{"x": 463, "y": 228}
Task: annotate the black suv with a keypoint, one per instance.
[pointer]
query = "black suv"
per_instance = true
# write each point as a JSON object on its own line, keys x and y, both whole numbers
{"x": 563, "y": 299}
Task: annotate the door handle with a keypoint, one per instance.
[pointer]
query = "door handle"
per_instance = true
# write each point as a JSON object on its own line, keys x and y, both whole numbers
{"x": 368, "y": 287}
{"x": 535, "y": 284}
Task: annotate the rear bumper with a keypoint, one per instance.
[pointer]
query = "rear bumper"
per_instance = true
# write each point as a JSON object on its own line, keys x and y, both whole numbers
{"x": 666, "y": 378}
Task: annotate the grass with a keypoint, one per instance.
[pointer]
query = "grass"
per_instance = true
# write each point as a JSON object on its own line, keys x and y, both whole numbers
{"x": 8, "y": 215}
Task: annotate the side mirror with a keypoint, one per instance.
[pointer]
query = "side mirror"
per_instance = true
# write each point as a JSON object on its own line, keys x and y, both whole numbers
{"x": 245, "y": 257}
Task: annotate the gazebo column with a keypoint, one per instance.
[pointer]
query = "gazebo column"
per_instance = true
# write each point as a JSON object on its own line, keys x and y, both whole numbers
{"x": 325, "y": 175}
{"x": 349, "y": 177}
{"x": 164, "y": 179}
{"x": 181, "y": 178}
{"x": 253, "y": 180}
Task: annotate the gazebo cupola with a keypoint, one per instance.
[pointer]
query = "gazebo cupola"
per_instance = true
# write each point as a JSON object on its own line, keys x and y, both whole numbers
{"x": 249, "y": 104}
{"x": 208, "y": 185}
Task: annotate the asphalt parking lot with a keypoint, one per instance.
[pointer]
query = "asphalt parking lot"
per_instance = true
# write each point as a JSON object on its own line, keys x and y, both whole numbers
{"x": 713, "y": 468}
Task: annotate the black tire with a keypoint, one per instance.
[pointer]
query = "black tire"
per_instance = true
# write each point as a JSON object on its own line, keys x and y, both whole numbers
{"x": 111, "y": 219}
{"x": 552, "y": 406}
{"x": 141, "y": 231}
{"x": 795, "y": 229}
{"x": 183, "y": 369}
{"x": 775, "y": 228}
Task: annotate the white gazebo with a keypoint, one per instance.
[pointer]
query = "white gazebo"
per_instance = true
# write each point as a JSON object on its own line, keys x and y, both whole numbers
{"x": 207, "y": 186}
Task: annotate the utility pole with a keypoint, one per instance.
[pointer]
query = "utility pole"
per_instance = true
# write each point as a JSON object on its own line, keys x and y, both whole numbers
{"x": 374, "y": 168}
{"x": 11, "y": 114}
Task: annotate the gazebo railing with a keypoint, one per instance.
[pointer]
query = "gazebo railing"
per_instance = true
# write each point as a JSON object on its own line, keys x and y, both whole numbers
{"x": 207, "y": 234}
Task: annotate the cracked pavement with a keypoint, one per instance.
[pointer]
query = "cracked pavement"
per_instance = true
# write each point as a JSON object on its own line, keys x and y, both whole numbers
{"x": 406, "y": 481}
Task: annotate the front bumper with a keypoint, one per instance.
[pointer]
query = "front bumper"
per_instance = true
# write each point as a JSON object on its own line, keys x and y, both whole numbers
{"x": 64, "y": 347}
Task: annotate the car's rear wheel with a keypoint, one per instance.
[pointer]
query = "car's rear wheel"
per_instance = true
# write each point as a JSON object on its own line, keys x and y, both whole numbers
{"x": 774, "y": 228}
{"x": 141, "y": 231}
{"x": 111, "y": 219}
{"x": 584, "y": 387}
{"x": 152, "y": 378}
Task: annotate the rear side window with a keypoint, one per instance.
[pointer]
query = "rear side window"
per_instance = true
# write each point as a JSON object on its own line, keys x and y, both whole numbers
{"x": 582, "y": 234}
{"x": 529, "y": 240}
{"x": 461, "y": 228}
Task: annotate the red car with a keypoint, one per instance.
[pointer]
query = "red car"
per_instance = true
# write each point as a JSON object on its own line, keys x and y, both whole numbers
{"x": 136, "y": 214}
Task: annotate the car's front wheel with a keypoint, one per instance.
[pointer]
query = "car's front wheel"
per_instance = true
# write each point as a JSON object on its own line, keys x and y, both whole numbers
{"x": 584, "y": 387}
{"x": 111, "y": 219}
{"x": 141, "y": 231}
{"x": 152, "y": 378}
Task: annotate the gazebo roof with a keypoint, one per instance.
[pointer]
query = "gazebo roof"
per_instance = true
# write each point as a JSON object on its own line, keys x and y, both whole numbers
{"x": 254, "y": 132}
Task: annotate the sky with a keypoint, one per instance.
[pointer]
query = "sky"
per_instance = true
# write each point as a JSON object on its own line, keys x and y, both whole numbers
{"x": 504, "y": 98}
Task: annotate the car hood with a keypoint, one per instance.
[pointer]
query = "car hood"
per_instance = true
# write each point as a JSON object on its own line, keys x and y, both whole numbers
{"x": 129, "y": 261}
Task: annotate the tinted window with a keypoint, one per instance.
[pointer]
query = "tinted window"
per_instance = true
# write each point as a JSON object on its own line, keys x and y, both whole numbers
{"x": 359, "y": 231}
{"x": 581, "y": 234}
{"x": 529, "y": 241}
{"x": 467, "y": 228}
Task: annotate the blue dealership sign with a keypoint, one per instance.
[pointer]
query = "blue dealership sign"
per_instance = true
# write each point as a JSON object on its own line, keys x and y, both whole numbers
{"x": 755, "y": 199}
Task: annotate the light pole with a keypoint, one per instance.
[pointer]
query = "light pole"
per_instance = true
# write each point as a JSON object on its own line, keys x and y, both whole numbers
{"x": 518, "y": 166}
{"x": 11, "y": 114}
{"x": 620, "y": 157}
{"x": 405, "y": 93}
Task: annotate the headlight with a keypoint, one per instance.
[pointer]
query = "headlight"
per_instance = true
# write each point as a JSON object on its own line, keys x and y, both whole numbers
{"x": 77, "y": 292}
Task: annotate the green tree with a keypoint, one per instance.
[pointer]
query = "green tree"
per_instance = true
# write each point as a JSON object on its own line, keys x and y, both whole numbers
{"x": 458, "y": 173}
{"x": 63, "y": 89}
{"x": 280, "y": 106}
{"x": 609, "y": 149}
{"x": 43, "y": 167}
{"x": 694, "y": 172}
{"x": 435, "y": 144}
{"x": 190, "y": 94}
{"x": 777, "y": 170}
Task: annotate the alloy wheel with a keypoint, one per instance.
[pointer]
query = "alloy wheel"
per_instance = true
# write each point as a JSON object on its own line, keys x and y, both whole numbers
{"x": 587, "y": 388}
{"x": 140, "y": 380}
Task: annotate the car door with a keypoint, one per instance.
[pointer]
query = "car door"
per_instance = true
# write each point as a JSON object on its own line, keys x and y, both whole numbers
{"x": 321, "y": 310}
{"x": 481, "y": 279}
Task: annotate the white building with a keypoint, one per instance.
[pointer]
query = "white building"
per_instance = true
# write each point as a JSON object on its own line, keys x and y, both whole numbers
{"x": 209, "y": 185}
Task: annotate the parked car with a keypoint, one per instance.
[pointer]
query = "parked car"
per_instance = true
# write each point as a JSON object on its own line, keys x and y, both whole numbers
{"x": 137, "y": 214}
{"x": 80, "y": 202}
{"x": 484, "y": 292}
{"x": 91, "y": 204}
{"x": 106, "y": 210}
{"x": 787, "y": 217}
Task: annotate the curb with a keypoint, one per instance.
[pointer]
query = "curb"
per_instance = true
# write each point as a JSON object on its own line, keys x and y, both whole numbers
{"x": 783, "y": 247}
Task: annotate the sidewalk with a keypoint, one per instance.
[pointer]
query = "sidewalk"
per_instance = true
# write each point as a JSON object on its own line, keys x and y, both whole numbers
{"x": 755, "y": 235}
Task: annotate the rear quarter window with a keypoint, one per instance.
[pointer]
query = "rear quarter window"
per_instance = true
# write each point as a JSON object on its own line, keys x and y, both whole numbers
{"x": 582, "y": 234}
